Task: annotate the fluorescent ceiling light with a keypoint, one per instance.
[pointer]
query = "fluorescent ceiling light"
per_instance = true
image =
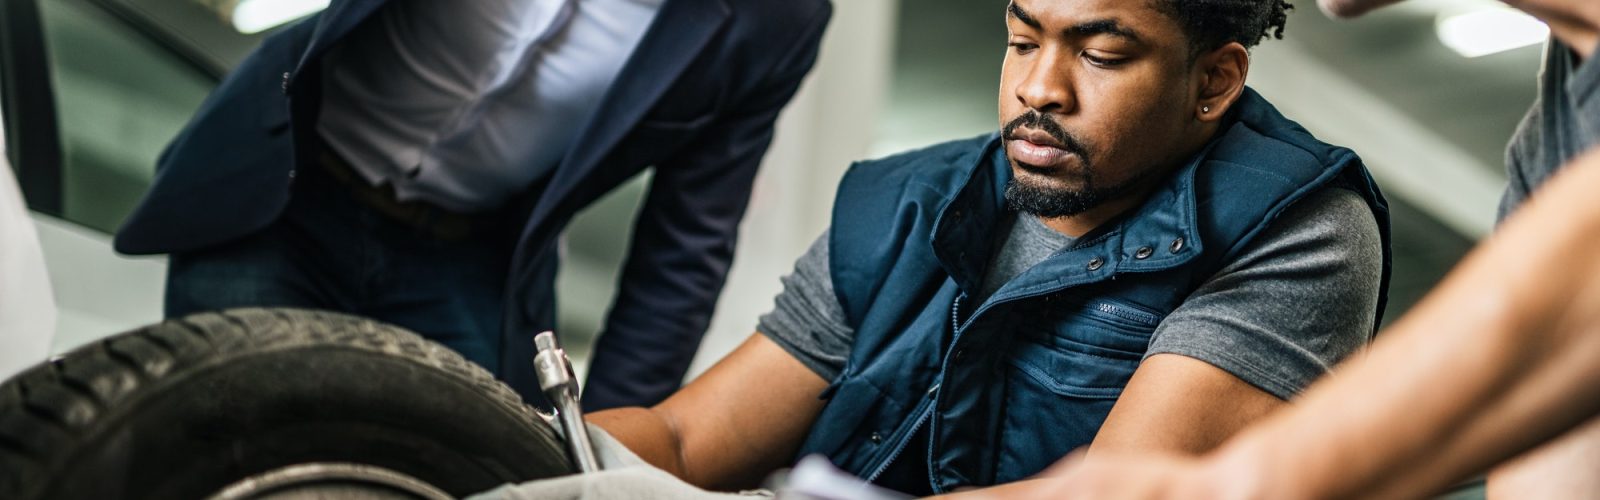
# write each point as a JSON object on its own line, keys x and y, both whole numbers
{"x": 1432, "y": 8}
{"x": 255, "y": 16}
{"x": 1480, "y": 32}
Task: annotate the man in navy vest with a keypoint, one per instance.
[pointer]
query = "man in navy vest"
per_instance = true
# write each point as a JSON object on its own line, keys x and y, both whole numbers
{"x": 416, "y": 161}
{"x": 1147, "y": 256}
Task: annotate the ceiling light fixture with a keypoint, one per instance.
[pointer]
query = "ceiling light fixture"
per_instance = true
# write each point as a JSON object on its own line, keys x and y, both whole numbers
{"x": 1490, "y": 30}
{"x": 255, "y": 16}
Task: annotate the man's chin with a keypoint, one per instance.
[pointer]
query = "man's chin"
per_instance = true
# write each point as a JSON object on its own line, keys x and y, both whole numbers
{"x": 1048, "y": 199}
{"x": 1045, "y": 179}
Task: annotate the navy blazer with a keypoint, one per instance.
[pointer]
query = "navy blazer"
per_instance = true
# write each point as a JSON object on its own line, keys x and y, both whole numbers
{"x": 696, "y": 100}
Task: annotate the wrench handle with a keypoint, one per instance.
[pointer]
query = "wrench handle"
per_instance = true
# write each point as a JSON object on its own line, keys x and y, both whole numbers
{"x": 559, "y": 383}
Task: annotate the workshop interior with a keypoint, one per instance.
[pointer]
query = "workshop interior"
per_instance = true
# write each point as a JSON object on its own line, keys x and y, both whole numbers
{"x": 1428, "y": 93}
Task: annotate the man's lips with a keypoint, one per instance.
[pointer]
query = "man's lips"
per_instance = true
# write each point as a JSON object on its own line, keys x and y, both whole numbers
{"x": 1035, "y": 154}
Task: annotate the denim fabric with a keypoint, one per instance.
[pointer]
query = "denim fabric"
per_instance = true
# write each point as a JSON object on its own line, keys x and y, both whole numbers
{"x": 330, "y": 252}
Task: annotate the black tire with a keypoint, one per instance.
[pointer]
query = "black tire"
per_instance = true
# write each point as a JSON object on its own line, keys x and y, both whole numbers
{"x": 187, "y": 407}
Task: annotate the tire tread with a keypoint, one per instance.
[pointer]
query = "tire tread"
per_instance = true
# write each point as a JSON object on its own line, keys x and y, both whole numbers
{"x": 56, "y": 404}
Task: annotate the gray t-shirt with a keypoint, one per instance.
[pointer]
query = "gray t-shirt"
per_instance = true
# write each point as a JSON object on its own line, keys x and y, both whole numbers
{"x": 1564, "y": 121}
{"x": 1296, "y": 301}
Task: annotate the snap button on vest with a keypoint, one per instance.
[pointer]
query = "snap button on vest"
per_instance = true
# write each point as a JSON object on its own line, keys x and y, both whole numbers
{"x": 1144, "y": 253}
{"x": 1177, "y": 245}
{"x": 1096, "y": 263}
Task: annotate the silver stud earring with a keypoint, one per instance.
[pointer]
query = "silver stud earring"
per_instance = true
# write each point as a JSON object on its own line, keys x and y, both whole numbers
{"x": 1205, "y": 109}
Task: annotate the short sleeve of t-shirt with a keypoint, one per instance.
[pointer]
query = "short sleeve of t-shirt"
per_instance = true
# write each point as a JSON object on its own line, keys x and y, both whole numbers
{"x": 806, "y": 318}
{"x": 1563, "y": 122}
{"x": 1298, "y": 299}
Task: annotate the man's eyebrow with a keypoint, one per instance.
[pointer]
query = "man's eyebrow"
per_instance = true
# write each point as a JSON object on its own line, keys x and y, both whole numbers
{"x": 1101, "y": 27}
{"x": 1023, "y": 16}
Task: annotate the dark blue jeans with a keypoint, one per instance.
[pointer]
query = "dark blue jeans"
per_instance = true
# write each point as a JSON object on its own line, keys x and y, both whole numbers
{"x": 328, "y": 251}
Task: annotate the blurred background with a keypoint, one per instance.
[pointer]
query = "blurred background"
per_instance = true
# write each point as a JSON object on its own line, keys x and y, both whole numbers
{"x": 1427, "y": 93}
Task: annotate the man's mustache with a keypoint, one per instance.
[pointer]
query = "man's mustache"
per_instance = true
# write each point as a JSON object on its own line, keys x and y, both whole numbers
{"x": 1037, "y": 121}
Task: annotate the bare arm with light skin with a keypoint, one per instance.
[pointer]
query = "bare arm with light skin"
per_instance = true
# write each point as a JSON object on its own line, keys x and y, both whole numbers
{"x": 728, "y": 429}
{"x": 1575, "y": 22}
{"x": 1561, "y": 470}
{"x": 1504, "y": 355}
{"x": 1565, "y": 468}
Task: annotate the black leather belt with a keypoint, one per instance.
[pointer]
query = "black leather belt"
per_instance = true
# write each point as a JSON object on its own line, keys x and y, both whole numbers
{"x": 425, "y": 217}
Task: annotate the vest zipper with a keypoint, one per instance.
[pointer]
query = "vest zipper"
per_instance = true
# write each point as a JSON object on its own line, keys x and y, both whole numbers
{"x": 926, "y": 406}
{"x": 1126, "y": 313}
{"x": 955, "y": 315}
{"x": 900, "y": 447}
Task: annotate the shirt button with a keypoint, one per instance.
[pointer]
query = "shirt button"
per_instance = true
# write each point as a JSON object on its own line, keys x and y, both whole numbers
{"x": 1144, "y": 253}
{"x": 1177, "y": 245}
{"x": 1096, "y": 263}
{"x": 876, "y": 438}
{"x": 291, "y": 174}
{"x": 286, "y": 83}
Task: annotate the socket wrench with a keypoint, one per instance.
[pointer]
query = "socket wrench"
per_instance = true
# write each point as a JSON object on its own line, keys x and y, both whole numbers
{"x": 560, "y": 386}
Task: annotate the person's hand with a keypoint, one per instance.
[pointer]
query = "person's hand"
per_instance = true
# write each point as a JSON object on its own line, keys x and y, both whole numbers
{"x": 1351, "y": 8}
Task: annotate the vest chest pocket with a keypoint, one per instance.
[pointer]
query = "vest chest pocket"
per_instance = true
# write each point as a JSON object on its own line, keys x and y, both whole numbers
{"x": 1084, "y": 350}
{"x": 1068, "y": 367}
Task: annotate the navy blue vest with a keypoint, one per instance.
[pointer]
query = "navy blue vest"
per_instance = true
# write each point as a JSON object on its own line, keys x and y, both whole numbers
{"x": 998, "y": 391}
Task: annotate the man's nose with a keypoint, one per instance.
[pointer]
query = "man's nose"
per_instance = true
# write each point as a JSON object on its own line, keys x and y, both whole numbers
{"x": 1046, "y": 86}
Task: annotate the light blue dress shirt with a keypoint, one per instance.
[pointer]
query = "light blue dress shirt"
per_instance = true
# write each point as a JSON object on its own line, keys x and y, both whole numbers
{"x": 465, "y": 103}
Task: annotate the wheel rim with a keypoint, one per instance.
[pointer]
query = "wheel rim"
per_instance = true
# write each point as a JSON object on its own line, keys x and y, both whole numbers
{"x": 331, "y": 481}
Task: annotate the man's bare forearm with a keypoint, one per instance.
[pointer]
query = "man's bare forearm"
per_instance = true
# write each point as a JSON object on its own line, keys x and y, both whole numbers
{"x": 1484, "y": 368}
{"x": 733, "y": 425}
{"x": 646, "y": 433}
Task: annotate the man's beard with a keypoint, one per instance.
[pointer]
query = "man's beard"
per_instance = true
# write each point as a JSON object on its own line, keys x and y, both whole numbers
{"x": 1052, "y": 202}
{"x": 1044, "y": 200}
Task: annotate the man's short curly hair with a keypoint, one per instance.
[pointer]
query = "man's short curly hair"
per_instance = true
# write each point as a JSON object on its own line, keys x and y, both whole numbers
{"x": 1213, "y": 23}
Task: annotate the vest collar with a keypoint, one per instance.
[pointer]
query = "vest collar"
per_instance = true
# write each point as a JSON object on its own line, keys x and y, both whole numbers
{"x": 1161, "y": 233}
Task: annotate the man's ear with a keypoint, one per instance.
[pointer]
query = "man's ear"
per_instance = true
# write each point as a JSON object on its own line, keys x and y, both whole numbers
{"x": 1221, "y": 80}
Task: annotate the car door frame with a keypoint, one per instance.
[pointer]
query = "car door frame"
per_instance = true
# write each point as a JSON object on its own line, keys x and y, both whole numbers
{"x": 27, "y": 106}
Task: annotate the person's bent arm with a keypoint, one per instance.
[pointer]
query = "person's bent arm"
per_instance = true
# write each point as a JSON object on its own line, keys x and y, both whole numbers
{"x": 1575, "y": 22}
{"x": 742, "y": 419}
{"x": 1505, "y": 354}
